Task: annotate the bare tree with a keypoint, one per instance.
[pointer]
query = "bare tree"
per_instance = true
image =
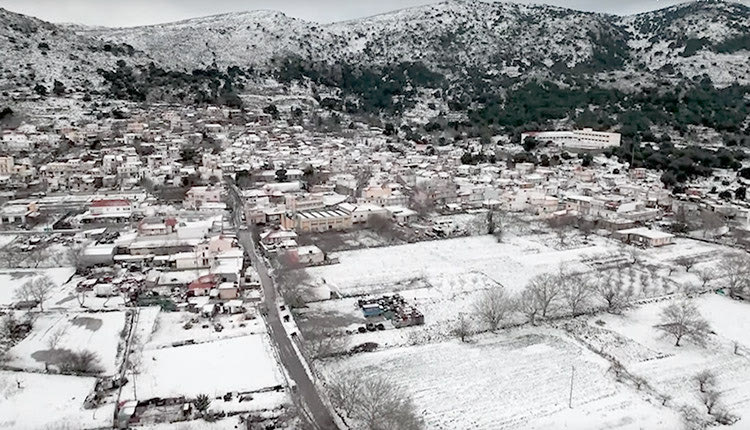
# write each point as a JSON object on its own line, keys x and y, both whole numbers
{"x": 734, "y": 269}
{"x": 586, "y": 227}
{"x": 319, "y": 344}
{"x": 710, "y": 399}
{"x": 81, "y": 362}
{"x": 462, "y": 328}
{"x": 374, "y": 403}
{"x": 382, "y": 225}
{"x": 290, "y": 278}
{"x": 635, "y": 254}
{"x": 492, "y": 307}
{"x": 37, "y": 289}
{"x": 682, "y": 320}
{"x": 711, "y": 222}
{"x": 706, "y": 379}
{"x": 686, "y": 262}
{"x": 546, "y": 289}
{"x": 528, "y": 304}
{"x": 613, "y": 292}
{"x": 54, "y": 338}
{"x": 706, "y": 276}
{"x": 576, "y": 291}
{"x": 10, "y": 258}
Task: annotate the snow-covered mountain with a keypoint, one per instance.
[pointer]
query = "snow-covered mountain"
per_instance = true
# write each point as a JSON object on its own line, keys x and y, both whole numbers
{"x": 500, "y": 39}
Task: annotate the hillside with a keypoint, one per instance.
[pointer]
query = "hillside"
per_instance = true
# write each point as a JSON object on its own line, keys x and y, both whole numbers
{"x": 501, "y": 66}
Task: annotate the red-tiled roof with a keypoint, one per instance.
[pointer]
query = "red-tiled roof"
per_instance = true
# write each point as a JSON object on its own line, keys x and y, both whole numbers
{"x": 110, "y": 203}
{"x": 204, "y": 282}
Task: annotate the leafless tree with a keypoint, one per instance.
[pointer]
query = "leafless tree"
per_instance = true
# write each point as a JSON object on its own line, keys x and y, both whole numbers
{"x": 635, "y": 254}
{"x": 363, "y": 176}
{"x": 11, "y": 258}
{"x": 291, "y": 278}
{"x": 37, "y": 289}
{"x": 56, "y": 336}
{"x": 686, "y": 262}
{"x": 318, "y": 344}
{"x": 706, "y": 276}
{"x": 734, "y": 270}
{"x": 683, "y": 320}
{"x": 706, "y": 379}
{"x": 586, "y": 227}
{"x": 81, "y": 362}
{"x": 710, "y": 399}
{"x": 613, "y": 291}
{"x": 462, "y": 328}
{"x": 710, "y": 222}
{"x": 75, "y": 257}
{"x": 528, "y": 304}
{"x": 382, "y": 225}
{"x": 576, "y": 290}
{"x": 665, "y": 398}
{"x": 374, "y": 403}
{"x": 492, "y": 307}
{"x": 422, "y": 201}
{"x": 547, "y": 289}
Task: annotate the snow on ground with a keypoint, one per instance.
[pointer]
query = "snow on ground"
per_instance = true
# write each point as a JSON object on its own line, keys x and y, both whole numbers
{"x": 511, "y": 264}
{"x": 49, "y": 402}
{"x": 441, "y": 302}
{"x": 169, "y": 328}
{"x": 98, "y": 332}
{"x": 673, "y": 373}
{"x": 12, "y": 279}
{"x": 5, "y": 239}
{"x": 215, "y": 368}
{"x": 520, "y": 378}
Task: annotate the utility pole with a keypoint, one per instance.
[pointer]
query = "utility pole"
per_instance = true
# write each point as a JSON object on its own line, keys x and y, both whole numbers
{"x": 570, "y": 397}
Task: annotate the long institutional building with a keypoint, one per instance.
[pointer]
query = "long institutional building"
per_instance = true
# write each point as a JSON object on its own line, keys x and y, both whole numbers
{"x": 587, "y": 138}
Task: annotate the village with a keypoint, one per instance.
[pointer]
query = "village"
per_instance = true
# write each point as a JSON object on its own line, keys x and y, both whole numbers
{"x": 206, "y": 266}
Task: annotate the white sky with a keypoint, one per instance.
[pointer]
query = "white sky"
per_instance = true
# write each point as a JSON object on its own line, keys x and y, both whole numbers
{"x": 121, "y": 13}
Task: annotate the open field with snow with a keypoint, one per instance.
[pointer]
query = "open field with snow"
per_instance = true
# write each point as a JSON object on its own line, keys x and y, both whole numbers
{"x": 12, "y": 279}
{"x": 517, "y": 379}
{"x": 673, "y": 372}
{"x": 511, "y": 263}
{"x": 49, "y": 402}
{"x": 97, "y": 332}
{"x": 215, "y": 368}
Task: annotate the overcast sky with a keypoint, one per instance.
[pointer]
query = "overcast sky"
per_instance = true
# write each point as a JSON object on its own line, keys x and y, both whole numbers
{"x": 120, "y": 13}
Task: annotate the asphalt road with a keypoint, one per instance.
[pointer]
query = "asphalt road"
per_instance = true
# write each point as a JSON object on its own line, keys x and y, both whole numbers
{"x": 306, "y": 394}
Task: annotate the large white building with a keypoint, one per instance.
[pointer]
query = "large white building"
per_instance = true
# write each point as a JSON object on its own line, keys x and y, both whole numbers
{"x": 576, "y": 139}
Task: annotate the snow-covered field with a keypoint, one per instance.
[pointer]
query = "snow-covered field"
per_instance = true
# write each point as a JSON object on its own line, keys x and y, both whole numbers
{"x": 12, "y": 279}
{"x": 518, "y": 379}
{"x": 673, "y": 374}
{"x": 169, "y": 328}
{"x": 97, "y": 332}
{"x": 510, "y": 263}
{"x": 214, "y": 368}
{"x": 49, "y": 402}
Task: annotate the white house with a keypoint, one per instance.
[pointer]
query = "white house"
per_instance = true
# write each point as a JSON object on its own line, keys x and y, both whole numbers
{"x": 576, "y": 139}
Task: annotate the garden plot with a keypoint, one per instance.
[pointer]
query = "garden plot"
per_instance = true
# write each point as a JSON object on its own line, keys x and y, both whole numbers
{"x": 520, "y": 379}
{"x": 97, "y": 332}
{"x": 49, "y": 402}
{"x": 13, "y": 279}
{"x": 215, "y": 368}
{"x": 169, "y": 328}
{"x": 511, "y": 264}
{"x": 441, "y": 302}
{"x": 673, "y": 374}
